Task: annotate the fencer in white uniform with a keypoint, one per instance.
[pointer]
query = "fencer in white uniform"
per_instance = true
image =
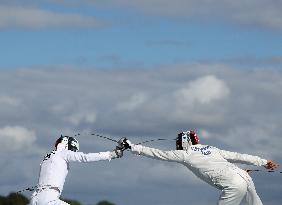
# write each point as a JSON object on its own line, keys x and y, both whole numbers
{"x": 213, "y": 166}
{"x": 55, "y": 167}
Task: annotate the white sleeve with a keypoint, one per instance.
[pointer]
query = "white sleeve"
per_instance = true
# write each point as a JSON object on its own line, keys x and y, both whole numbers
{"x": 173, "y": 155}
{"x": 90, "y": 157}
{"x": 242, "y": 158}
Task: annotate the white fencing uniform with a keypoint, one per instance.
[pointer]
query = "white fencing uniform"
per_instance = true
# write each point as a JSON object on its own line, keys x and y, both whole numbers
{"x": 213, "y": 166}
{"x": 53, "y": 171}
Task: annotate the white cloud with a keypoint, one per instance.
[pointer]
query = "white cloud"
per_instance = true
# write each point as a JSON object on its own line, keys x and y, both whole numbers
{"x": 254, "y": 12}
{"x": 251, "y": 13}
{"x": 15, "y": 138}
{"x": 7, "y": 100}
{"x": 133, "y": 102}
{"x": 78, "y": 118}
{"x": 203, "y": 90}
{"x": 259, "y": 13}
{"x": 38, "y": 18}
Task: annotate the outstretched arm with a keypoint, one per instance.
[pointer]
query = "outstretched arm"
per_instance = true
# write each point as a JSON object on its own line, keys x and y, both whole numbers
{"x": 90, "y": 157}
{"x": 247, "y": 159}
{"x": 173, "y": 155}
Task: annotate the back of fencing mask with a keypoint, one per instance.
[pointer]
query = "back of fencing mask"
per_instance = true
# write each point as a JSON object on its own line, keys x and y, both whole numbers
{"x": 185, "y": 139}
{"x": 68, "y": 143}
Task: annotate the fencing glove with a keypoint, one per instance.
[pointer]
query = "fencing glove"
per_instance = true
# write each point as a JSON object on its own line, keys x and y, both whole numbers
{"x": 116, "y": 153}
{"x": 127, "y": 144}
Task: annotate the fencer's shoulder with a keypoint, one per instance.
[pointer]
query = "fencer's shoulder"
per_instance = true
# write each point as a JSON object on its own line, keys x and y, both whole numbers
{"x": 60, "y": 153}
{"x": 67, "y": 153}
{"x": 63, "y": 151}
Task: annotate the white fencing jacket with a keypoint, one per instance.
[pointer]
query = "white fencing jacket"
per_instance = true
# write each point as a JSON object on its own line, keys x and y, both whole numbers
{"x": 55, "y": 166}
{"x": 208, "y": 163}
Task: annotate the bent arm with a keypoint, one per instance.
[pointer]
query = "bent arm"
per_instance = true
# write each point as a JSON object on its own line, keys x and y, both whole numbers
{"x": 90, "y": 157}
{"x": 242, "y": 158}
{"x": 173, "y": 155}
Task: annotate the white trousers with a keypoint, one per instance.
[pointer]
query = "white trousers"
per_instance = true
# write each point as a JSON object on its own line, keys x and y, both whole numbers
{"x": 239, "y": 189}
{"x": 47, "y": 197}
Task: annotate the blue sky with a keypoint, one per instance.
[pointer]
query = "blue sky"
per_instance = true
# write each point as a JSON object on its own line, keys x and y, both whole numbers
{"x": 133, "y": 38}
{"x": 166, "y": 43}
{"x": 142, "y": 70}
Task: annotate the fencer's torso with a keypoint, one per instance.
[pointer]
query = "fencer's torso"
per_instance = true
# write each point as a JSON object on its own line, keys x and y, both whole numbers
{"x": 53, "y": 170}
{"x": 55, "y": 166}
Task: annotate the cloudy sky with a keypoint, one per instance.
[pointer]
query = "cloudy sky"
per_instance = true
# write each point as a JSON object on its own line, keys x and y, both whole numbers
{"x": 141, "y": 70}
